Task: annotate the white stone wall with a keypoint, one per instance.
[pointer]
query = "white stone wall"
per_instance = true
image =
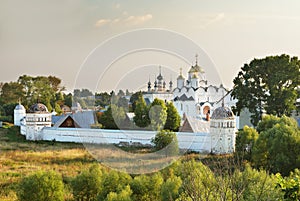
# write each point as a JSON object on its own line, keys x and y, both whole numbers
{"x": 191, "y": 141}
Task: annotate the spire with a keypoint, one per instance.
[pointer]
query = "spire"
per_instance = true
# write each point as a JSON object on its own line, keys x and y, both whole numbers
{"x": 160, "y": 70}
{"x": 196, "y": 56}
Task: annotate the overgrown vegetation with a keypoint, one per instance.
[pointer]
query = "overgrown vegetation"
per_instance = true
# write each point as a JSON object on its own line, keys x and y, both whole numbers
{"x": 191, "y": 178}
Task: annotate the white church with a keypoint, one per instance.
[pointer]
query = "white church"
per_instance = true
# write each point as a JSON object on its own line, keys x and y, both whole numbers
{"x": 193, "y": 96}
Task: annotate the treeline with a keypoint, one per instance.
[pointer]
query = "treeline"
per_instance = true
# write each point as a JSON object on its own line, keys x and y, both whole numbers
{"x": 154, "y": 116}
{"x": 274, "y": 145}
{"x": 49, "y": 91}
{"x": 182, "y": 181}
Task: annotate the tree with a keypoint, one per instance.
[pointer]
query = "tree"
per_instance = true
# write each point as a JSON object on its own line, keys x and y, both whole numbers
{"x": 147, "y": 187}
{"x": 12, "y": 92}
{"x": 268, "y": 84}
{"x": 166, "y": 140}
{"x": 245, "y": 140}
{"x": 277, "y": 148}
{"x": 87, "y": 185}
{"x": 43, "y": 186}
{"x": 158, "y": 114}
{"x": 114, "y": 182}
{"x": 102, "y": 99}
{"x": 124, "y": 195}
{"x": 290, "y": 186}
{"x": 141, "y": 118}
{"x": 133, "y": 98}
{"x": 173, "y": 118}
{"x": 107, "y": 120}
{"x": 170, "y": 189}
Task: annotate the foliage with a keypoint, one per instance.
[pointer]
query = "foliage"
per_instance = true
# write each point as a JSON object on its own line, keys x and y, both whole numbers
{"x": 166, "y": 140}
{"x": 173, "y": 118}
{"x": 113, "y": 182}
{"x": 268, "y": 84}
{"x": 87, "y": 185}
{"x": 245, "y": 140}
{"x": 102, "y": 99}
{"x": 133, "y": 98}
{"x": 107, "y": 120}
{"x": 170, "y": 189}
{"x": 158, "y": 114}
{"x": 141, "y": 118}
{"x": 278, "y": 146}
{"x": 147, "y": 188}
{"x": 43, "y": 186}
{"x": 290, "y": 185}
{"x": 124, "y": 195}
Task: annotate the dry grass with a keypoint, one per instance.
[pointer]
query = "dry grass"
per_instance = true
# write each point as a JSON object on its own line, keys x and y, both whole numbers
{"x": 19, "y": 158}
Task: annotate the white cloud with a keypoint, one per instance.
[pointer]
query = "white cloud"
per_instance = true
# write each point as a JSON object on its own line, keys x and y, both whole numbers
{"x": 131, "y": 20}
{"x": 134, "y": 20}
{"x": 102, "y": 22}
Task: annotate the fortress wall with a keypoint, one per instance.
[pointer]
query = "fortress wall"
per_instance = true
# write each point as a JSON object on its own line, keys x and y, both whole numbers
{"x": 191, "y": 141}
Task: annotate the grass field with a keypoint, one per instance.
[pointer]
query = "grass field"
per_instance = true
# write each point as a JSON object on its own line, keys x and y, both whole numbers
{"x": 19, "y": 158}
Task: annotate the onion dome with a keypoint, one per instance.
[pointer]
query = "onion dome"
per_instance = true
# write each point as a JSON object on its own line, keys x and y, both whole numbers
{"x": 38, "y": 108}
{"x": 222, "y": 113}
{"x": 180, "y": 77}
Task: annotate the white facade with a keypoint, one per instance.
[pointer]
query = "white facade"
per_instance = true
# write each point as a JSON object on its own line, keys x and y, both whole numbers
{"x": 223, "y": 131}
{"x": 19, "y": 114}
{"x": 194, "y": 97}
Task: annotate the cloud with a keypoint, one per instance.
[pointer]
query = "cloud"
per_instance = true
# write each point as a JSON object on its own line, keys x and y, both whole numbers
{"x": 131, "y": 20}
{"x": 134, "y": 20}
{"x": 102, "y": 22}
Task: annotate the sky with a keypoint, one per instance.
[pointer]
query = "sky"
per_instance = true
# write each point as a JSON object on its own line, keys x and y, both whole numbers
{"x": 102, "y": 45}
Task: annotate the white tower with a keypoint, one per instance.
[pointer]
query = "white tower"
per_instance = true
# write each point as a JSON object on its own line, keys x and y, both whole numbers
{"x": 222, "y": 131}
{"x": 19, "y": 113}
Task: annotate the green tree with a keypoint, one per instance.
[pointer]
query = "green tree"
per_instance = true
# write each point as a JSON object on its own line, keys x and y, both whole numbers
{"x": 102, "y": 99}
{"x": 278, "y": 147}
{"x": 166, "y": 140}
{"x": 290, "y": 186}
{"x": 245, "y": 140}
{"x": 170, "y": 189}
{"x": 119, "y": 116}
{"x": 141, "y": 118}
{"x": 107, "y": 120}
{"x": 43, "y": 186}
{"x": 124, "y": 195}
{"x": 268, "y": 84}
{"x": 158, "y": 114}
{"x": 87, "y": 185}
{"x": 173, "y": 118}
{"x": 114, "y": 182}
{"x": 147, "y": 187}
{"x": 12, "y": 92}
{"x": 133, "y": 98}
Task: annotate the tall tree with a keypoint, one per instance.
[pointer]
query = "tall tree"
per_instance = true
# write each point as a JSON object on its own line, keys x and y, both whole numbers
{"x": 134, "y": 97}
{"x": 268, "y": 84}
{"x": 141, "y": 118}
{"x": 173, "y": 118}
{"x": 158, "y": 114}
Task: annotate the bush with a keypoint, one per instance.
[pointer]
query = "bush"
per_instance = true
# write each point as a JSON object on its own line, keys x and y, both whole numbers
{"x": 42, "y": 186}
{"x": 166, "y": 140}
